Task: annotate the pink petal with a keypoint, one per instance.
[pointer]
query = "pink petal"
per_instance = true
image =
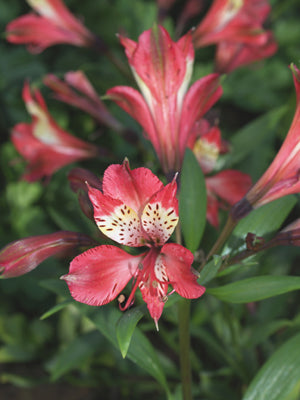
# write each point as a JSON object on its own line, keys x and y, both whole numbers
{"x": 43, "y": 159}
{"x": 201, "y": 96}
{"x": 39, "y": 33}
{"x": 22, "y": 256}
{"x": 135, "y": 105}
{"x": 159, "y": 62}
{"x": 160, "y": 216}
{"x": 98, "y": 275}
{"x": 116, "y": 220}
{"x": 212, "y": 212}
{"x": 230, "y": 185}
{"x": 153, "y": 283}
{"x": 177, "y": 260}
{"x": 132, "y": 187}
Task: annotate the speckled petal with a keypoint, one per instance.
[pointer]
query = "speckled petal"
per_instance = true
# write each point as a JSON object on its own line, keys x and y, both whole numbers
{"x": 160, "y": 215}
{"x": 116, "y": 220}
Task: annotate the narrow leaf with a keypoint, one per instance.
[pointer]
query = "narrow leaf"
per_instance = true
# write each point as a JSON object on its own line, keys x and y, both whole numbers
{"x": 210, "y": 270}
{"x": 74, "y": 354}
{"x": 140, "y": 351}
{"x": 264, "y": 220}
{"x": 56, "y": 308}
{"x": 279, "y": 378}
{"x": 255, "y": 289}
{"x": 192, "y": 201}
{"x": 125, "y": 327}
{"x": 246, "y": 140}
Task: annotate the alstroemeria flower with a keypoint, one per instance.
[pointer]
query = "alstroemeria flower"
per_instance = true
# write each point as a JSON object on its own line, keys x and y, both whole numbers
{"x": 22, "y": 256}
{"x": 282, "y": 177}
{"x": 44, "y": 145}
{"x": 134, "y": 209}
{"x": 224, "y": 188}
{"x": 231, "y": 55}
{"x": 236, "y": 27}
{"x": 52, "y": 24}
{"x": 77, "y": 90}
{"x": 164, "y": 108}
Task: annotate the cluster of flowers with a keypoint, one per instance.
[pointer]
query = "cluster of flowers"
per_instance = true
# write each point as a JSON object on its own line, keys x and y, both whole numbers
{"x": 133, "y": 207}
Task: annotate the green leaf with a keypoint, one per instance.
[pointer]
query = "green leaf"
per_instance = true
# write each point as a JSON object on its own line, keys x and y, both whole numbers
{"x": 261, "y": 222}
{"x": 255, "y": 289}
{"x": 140, "y": 351}
{"x": 279, "y": 378}
{"x": 125, "y": 327}
{"x": 210, "y": 270}
{"x": 56, "y": 308}
{"x": 192, "y": 201}
{"x": 74, "y": 354}
{"x": 246, "y": 140}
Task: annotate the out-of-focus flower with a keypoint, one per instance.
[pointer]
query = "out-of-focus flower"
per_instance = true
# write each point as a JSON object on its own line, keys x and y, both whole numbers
{"x": 283, "y": 175}
{"x": 135, "y": 209}
{"x": 22, "y": 256}
{"x": 231, "y": 55}
{"x": 77, "y": 90}
{"x": 52, "y": 23}
{"x": 44, "y": 145}
{"x": 224, "y": 188}
{"x": 236, "y": 27}
{"x": 164, "y": 108}
{"x": 191, "y": 8}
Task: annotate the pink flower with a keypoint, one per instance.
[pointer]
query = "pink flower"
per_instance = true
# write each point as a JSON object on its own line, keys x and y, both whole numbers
{"x": 283, "y": 175}
{"x": 78, "y": 91}
{"x": 52, "y": 24}
{"x": 164, "y": 108}
{"x": 235, "y": 26}
{"x": 22, "y": 256}
{"x": 224, "y": 188}
{"x": 231, "y": 55}
{"x": 43, "y": 143}
{"x": 134, "y": 209}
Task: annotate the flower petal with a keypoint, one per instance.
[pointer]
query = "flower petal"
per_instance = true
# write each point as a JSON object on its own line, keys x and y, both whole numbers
{"x": 132, "y": 187}
{"x": 230, "y": 185}
{"x": 116, "y": 220}
{"x": 135, "y": 105}
{"x": 201, "y": 96}
{"x": 22, "y": 256}
{"x": 98, "y": 275}
{"x": 160, "y": 216}
{"x": 177, "y": 260}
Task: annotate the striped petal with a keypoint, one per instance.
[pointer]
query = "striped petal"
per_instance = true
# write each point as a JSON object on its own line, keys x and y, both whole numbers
{"x": 132, "y": 187}
{"x": 98, "y": 275}
{"x": 177, "y": 261}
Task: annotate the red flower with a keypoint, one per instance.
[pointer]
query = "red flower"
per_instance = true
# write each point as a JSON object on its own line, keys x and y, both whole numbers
{"x": 224, "y": 188}
{"x": 53, "y": 24}
{"x": 43, "y": 143}
{"x": 282, "y": 176}
{"x": 22, "y": 256}
{"x": 78, "y": 91}
{"x": 135, "y": 209}
{"x": 235, "y": 26}
{"x": 165, "y": 109}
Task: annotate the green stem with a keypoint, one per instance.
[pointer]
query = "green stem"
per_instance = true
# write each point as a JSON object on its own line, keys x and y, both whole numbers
{"x": 228, "y": 228}
{"x": 184, "y": 306}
